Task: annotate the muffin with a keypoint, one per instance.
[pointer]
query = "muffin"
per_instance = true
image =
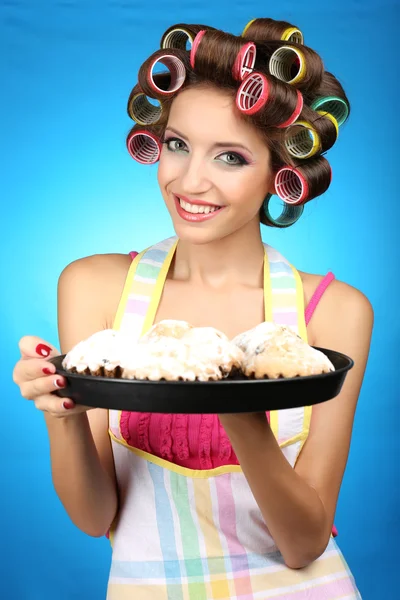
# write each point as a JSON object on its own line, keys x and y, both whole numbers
{"x": 167, "y": 328}
{"x": 170, "y": 350}
{"x": 101, "y": 355}
{"x": 273, "y": 351}
{"x": 176, "y": 351}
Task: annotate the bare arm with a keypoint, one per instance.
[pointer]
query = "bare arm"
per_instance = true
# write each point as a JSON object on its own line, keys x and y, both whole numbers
{"x": 299, "y": 504}
{"x": 81, "y": 457}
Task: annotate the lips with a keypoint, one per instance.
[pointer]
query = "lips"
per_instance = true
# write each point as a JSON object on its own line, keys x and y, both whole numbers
{"x": 197, "y": 202}
{"x": 195, "y": 217}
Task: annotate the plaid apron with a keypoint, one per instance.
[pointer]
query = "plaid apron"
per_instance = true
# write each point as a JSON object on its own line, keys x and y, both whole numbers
{"x": 184, "y": 534}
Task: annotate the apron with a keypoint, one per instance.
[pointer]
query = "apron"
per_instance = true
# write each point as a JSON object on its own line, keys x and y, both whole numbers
{"x": 184, "y": 534}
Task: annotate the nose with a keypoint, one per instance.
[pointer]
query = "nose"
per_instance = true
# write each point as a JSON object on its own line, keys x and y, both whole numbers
{"x": 195, "y": 179}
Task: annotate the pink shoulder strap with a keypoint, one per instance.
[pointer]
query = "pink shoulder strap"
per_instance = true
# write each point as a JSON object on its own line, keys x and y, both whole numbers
{"x": 316, "y": 297}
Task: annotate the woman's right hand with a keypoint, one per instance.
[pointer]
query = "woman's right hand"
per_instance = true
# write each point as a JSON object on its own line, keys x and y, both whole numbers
{"x": 37, "y": 378}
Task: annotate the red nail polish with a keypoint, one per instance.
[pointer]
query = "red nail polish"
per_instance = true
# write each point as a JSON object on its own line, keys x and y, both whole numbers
{"x": 59, "y": 383}
{"x": 43, "y": 350}
{"x": 47, "y": 371}
{"x": 68, "y": 405}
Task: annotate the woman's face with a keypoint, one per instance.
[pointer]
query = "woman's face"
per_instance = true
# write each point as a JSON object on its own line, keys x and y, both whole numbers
{"x": 214, "y": 170}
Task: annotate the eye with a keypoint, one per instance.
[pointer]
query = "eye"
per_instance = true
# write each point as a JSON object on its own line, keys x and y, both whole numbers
{"x": 236, "y": 160}
{"x": 174, "y": 144}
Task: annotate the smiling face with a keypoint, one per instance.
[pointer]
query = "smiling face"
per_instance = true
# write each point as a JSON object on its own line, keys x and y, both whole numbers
{"x": 214, "y": 170}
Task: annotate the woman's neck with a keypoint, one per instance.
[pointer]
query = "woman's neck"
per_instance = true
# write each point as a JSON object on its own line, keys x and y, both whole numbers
{"x": 222, "y": 264}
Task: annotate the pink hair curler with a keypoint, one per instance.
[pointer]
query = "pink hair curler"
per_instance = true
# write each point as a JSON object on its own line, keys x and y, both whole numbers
{"x": 195, "y": 45}
{"x": 177, "y": 71}
{"x": 296, "y": 113}
{"x": 252, "y": 94}
{"x": 144, "y": 147}
{"x": 291, "y": 186}
{"x": 245, "y": 61}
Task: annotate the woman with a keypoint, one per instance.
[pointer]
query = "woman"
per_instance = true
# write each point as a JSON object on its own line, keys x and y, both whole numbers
{"x": 208, "y": 506}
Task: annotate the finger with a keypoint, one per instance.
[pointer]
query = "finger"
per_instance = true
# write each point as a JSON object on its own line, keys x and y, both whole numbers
{"x": 59, "y": 407}
{"x": 54, "y": 405}
{"x": 32, "y": 368}
{"x": 34, "y": 347}
{"x": 32, "y": 390}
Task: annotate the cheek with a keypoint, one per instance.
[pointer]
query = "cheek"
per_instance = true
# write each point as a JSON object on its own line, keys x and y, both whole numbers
{"x": 162, "y": 172}
{"x": 168, "y": 170}
{"x": 247, "y": 188}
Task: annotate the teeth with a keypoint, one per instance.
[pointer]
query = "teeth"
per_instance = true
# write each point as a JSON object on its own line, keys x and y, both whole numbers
{"x": 195, "y": 208}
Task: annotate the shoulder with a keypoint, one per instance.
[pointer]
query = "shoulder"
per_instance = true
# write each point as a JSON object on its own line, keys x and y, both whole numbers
{"x": 343, "y": 302}
{"x": 346, "y": 313}
{"x": 89, "y": 290}
{"x": 345, "y": 298}
{"x": 342, "y": 307}
{"x": 337, "y": 292}
{"x": 97, "y": 266}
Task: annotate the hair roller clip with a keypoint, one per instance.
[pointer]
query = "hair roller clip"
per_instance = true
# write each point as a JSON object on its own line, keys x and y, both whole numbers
{"x": 195, "y": 45}
{"x": 289, "y": 215}
{"x": 335, "y": 106}
{"x": 331, "y": 118}
{"x": 142, "y": 111}
{"x": 296, "y": 113}
{"x": 302, "y": 140}
{"x": 144, "y": 147}
{"x": 291, "y": 186}
{"x": 288, "y": 64}
{"x": 252, "y": 94}
{"x": 177, "y": 38}
{"x": 177, "y": 72}
{"x": 245, "y": 61}
{"x": 293, "y": 35}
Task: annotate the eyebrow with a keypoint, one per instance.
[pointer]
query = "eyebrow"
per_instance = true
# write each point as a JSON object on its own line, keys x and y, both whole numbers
{"x": 216, "y": 145}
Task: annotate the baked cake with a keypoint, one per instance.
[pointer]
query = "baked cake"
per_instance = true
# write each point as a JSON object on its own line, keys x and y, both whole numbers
{"x": 273, "y": 351}
{"x": 170, "y": 350}
{"x": 177, "y": 351}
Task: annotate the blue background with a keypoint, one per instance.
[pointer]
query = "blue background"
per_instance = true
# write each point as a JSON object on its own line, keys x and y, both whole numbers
{"x": 70, "y": 189}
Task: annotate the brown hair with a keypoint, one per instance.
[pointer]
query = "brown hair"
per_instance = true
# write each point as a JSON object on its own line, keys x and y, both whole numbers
{"x": 291, "y": 71}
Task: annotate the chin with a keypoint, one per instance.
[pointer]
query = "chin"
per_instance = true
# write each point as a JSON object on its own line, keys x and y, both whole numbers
{"x": 198, "y": 235}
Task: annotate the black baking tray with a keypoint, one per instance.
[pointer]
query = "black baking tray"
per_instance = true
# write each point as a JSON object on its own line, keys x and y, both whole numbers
{"x": 190, "y": 397}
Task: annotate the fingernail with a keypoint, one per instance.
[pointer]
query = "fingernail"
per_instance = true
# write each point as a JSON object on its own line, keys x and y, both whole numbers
{"x": 43, "y": 350}
{"x": 47, "y": 371}
{"x": 67, "y": 405}
{"x": 59, "y": 383}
